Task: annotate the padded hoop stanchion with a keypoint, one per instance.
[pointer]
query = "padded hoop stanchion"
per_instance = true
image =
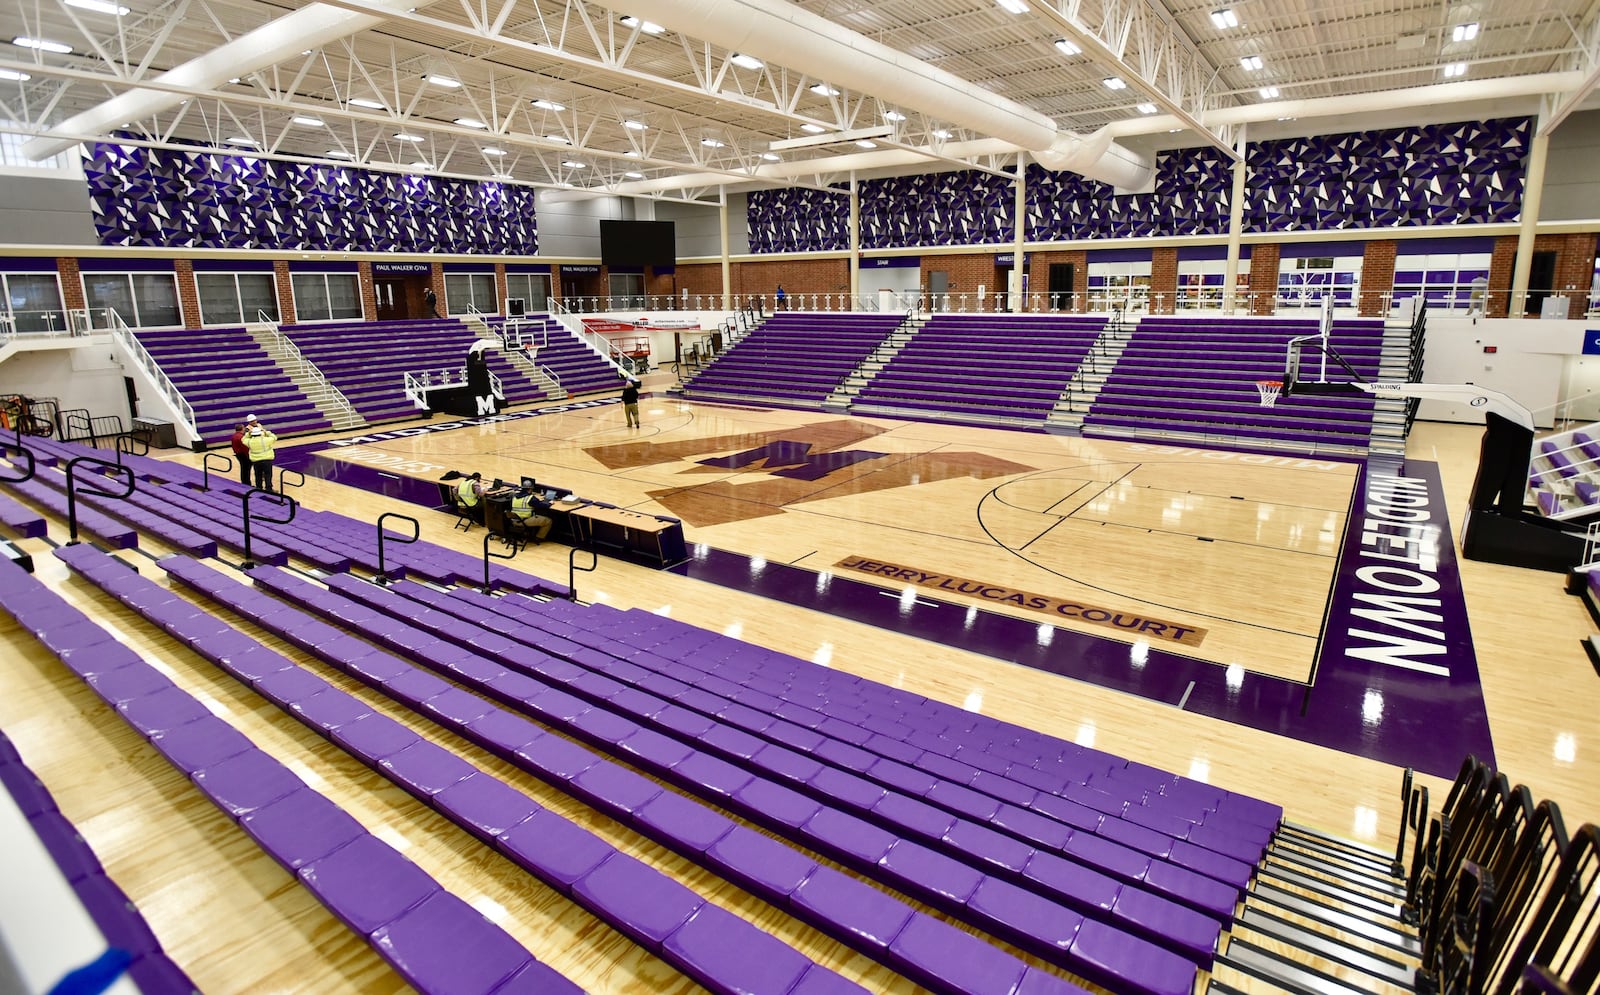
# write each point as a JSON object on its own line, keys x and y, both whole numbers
{"x": 1270, "y": 389}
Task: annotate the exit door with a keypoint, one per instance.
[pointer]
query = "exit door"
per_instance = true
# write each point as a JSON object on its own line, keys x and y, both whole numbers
{"x": 938, "y": 290}
{"x": 391, "y": 293}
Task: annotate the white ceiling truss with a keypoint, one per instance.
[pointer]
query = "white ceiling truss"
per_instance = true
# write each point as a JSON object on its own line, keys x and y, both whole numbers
{"x": 571, "y": 94}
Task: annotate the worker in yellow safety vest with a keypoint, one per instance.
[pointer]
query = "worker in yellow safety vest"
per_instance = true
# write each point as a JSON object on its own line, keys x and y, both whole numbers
{"x": 527, "y": 510}
{"x": 469, "y": 495}
{"x": 261, "y": 443}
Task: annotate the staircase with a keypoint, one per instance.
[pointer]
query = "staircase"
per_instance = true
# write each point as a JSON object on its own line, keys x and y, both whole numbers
{"x": 516, "y": 338}
{"x": 327, "y": 398}
{"x": 1066, "y": 418}
{"x": 1390, "y": 422}
{"x": 1323, "y": 917}
{"x": 852, "y": 385}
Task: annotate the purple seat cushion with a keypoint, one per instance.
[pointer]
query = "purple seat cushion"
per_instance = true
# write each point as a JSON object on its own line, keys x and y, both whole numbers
{"x": 681, "y": 823}
{"x": 636, "y": 898}
{"x": 554, "y": 849}
{"x": 538, "y": 978}
{"x": 201, "y": 743}
{"x": 760, "y": 863}
{"x": 301, "y": 827}
{"x": 726, "y": 953}
{"x": 425, "y": 768}
{"x": 367, "y": 883}
{"x": 484, "y": 805}
{"x": 845, "y": 906}
{"x": 446, "y": 947}
{"x": 1107, "y": 956}
{"x": 941, "y": 956}
{"x": 246, "y": 782}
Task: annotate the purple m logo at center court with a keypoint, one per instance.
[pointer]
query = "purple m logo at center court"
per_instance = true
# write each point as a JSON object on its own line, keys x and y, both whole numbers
{"x": 794, "y": 458}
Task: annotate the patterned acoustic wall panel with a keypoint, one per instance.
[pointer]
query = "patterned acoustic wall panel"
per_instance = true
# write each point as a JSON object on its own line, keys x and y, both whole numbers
{"x": 169, "y": 198}
{"x": 1190, "y": 197}
{"x": 1466, "y": 173}
{"x": 798, "y": 220}
{"x": 962, "y": 208}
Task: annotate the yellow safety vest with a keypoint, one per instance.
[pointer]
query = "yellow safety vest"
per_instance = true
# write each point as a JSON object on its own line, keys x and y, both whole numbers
{"x": 522, "y": 506}
{"x": 467, "y": 493}
{"x": 261, "y": 450}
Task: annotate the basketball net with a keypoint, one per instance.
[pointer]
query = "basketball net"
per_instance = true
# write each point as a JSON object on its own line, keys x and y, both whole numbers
{"x": 1270, "y": 389}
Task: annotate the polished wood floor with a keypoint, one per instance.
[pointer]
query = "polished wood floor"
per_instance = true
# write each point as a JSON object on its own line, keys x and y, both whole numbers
{"x": 1095, "y": 520}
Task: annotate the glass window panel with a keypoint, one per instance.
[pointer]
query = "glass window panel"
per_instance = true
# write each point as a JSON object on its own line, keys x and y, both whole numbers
{"x": 113, "y": 291}
{"x": 34, "y": 300}
{"x": 344, "y": 295}
{"x": 310, "y": 297}
{"x": 219, "y": 299}
{"x": 258, "y": 295}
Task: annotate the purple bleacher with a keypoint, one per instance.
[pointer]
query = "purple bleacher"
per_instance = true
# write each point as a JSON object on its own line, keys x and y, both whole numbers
{"x": 1198, "y": 375}
{"x": 368, "y": 361}
{"x": 1588, "y": 446}
{"x": 794, "y": 358}
{"x": 1556, "y": 456}
{"x": 984, "y": 365}
{"x": 842, "y": 836}
{"x": 245, "y": 781}
{"x": 222, "y": 372}
{"x": 576, "y": 365}
{"x": 20, "y": 519}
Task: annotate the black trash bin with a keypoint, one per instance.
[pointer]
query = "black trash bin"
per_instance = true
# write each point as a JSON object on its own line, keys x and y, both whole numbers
{"x": 159, "y": 434}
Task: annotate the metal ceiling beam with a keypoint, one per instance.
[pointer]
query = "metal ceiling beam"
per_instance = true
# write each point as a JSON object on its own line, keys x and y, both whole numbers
{"x": 1587, "y": 61}
{"x": 1168, "y": 67}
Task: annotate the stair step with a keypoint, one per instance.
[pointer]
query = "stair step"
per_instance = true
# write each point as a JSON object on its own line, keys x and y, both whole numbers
{"x": 1316, "y": 839}
{"x": 1385, "y": 930}
{"x": 1256, "y": 925}
{"x": 1375, "y": 881}
{"x": 1268, "y": 965}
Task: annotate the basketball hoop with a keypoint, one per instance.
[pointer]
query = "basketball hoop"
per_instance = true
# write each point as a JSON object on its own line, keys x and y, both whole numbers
{"x": 1270, "y": 389}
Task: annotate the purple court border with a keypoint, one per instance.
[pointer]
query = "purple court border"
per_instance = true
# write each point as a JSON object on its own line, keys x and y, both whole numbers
{"x": 1422, "y": 709}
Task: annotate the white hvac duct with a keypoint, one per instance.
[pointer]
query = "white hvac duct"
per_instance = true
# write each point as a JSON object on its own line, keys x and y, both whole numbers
{"x": 780, "y": 32}
{"x": 309, "y": 27}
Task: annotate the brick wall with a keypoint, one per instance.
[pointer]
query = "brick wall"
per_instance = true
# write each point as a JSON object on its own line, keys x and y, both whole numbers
{"x": 1163, "y": 281}
{"x": 71, "y": 284}
{"x": 703, "y": 279}
{"x": 501, "y": 288}
{"x": 1377, "y": 278}
{"x": 369, "y": 295}
{"x": 280, "y": 271}
{"x": 1263, "y": 278}
{"x": 188, "y": 293}
{"x": 967, "y": 273}
{"x": 1574, "y": 268}
{"x": 798, "y": 276}
{"x": 1501, "y": 262}
{"x": 1039, "y": 277}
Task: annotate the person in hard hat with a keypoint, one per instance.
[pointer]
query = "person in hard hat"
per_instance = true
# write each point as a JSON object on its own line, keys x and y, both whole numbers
{"x": 261, "y": 444}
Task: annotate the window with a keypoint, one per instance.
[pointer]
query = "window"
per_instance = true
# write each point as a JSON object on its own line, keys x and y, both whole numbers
{"x": 532, "y": 288}
{"x": 34, "y": 301}
{"x": 235, "y": 298}
{"x": 627, "y": 290}
{"x": 326, "y": 296}
{"x": 465, "y": 291}
{"x": 142, "y": 300}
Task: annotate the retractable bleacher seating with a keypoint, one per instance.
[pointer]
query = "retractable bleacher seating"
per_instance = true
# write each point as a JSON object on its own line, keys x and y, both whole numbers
{"x": 795, "y": 358}
{"x": 368, "y": 361}
{"x": 577, "y": 366}
{"x": 982, "y": 367}
{"x": 1196, "y": 378}
{"x": 225, "y": 374}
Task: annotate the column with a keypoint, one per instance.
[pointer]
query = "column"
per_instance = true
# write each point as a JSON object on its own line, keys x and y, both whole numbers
{"x": 1264, "y": 278}
{"x": 285, "y": 286}
{"x": 855, "y": 243}
{"x": 1019, "y": 225}
{"x": 1163, "y": 281}
{"x": 727, "y": 275}
{"x": 1230, "y": 274}
{"x": 1532, "y": 194}
{"x": 1377, "y": 278}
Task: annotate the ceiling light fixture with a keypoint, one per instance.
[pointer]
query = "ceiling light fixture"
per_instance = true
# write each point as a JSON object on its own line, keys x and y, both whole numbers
{"x": 648, "y": 27}
{"x": 1268, "y": 93}
{"x": 772, "y": 157}
{"x": 746, "y": 61}
{"x": 711, "y": 143}
{"x": 549, "y": 105}
{"x": 1455, "y": 69}
{"x": 823, "y": 90}
{"x": 1114, "y": 83}
{"x": 1224, "y": 19}
{"x": 941, "y": 134}
{"x": 893, "y": 116}
{"x": 1068, "y": 47}
{"x": 42, "y": 44}
{"x": 814, "y": 129}
{"x": 1146, "y": 108}
{"x": 12, "y": 76}
{"x": 470, "y": 122}
{"x": 448, "y": 82}
{"x": 491, "y": 150}
{"x": 1013, "y": 6}
{"x": 635, "y": 125}
{"x": 372, "y": 105}
{"x": 1465, "y": 32}
{"x": 574, "y": 164}
{"x": 559, "y": 139}
{"x": 404, "y": 137}
{"x": 419, "y": 164}
{"x": 337, "y": 154}
{"x": 633, "y": 175}
{"x": 864, "y": 144}
{"x": 309, "y": 122}
{"x": 1250, "y": 63}
{"x": 100, "y": 7}
{"x": 240, "y": 140}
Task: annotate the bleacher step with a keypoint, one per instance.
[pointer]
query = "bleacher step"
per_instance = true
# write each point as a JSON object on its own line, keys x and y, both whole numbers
{"x": 1329, "y": 892}
{"x": 1275, "y": 931}
{"x": 1297, "y": 979}
{"x": 1305, "y": 838}
{"x": 1378, "y": 889}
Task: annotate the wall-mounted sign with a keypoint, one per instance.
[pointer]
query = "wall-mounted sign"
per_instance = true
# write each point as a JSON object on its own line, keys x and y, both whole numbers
{"x": 379, "y": 269}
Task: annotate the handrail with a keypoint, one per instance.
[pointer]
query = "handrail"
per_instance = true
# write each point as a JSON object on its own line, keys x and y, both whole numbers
{"x": 205, "y": 468}
{"x": 130, "y": 341}
{"x": 27, "y": 457}
{"x": 573, "y": 569}
{"x": 487, "y": 555}
{"x": 416, "y": 533}
{"x": 280, "y": 499}
{"x": 306, "y": 367}
{"x": 73, "y": 488}
{"x": 122, "y": 442}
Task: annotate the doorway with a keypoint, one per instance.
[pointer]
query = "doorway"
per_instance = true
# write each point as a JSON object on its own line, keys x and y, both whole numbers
{"x": 938, "y": 290}
{"x": 1062, "y": 278}
{"x": 1541, "y": 282}
{"x": 400, "y": 297}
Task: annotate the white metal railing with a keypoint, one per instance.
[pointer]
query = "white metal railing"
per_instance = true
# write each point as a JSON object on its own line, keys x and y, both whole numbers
{"x": 8, "y": 330}
{"x": 323, "y": 388}
{"x": 129, "y": 341}
{"x": 554, "y": 378}
{"x": 419, "y": 383}
{"x": 37, "y": 321}
{"x": 594, "y": 340}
